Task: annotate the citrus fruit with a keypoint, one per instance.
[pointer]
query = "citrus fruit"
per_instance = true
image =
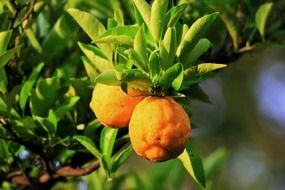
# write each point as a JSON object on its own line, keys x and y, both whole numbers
{"x": 112, "y": 106}
{"x": 159, "y": 128}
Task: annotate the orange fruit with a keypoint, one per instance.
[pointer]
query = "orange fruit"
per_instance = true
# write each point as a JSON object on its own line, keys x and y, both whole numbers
{"x": 112, "y": 106}
{"x": 159, "y": 128}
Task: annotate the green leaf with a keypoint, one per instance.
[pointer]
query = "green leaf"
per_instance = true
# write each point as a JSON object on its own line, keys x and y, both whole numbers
{"x": 88, "y": 144}
{"x": 49, "y": 123}
{"x": 144, "y": 9}
{"x": 154, "y": 67}
{"x": 43, "y": 98}
{"x": 201, "y": 47}
{"x": 232, "y": 26}
{"x": 28, "y": 85}
{"x": 108, "y": 77}
{"x": 193, "y": 35}
{"x": 66, "y": 106}
{"x": 33, "y": 40}
{"x": 119, "y": 17}
{"x": 107, "y": 140}
{"x": 88, "y": 22}
{"x": 118, "y": 35}
{"x": 175, "y": 14}
{"x": 7, "y": 55}
{"x": 3, "y": 81}
{"x": 90, "y": 68}
{"x": 158, "y": 11}
{"x": 4, "y": 40}
{"x": 203, "y": 68}
{"x": 140, "y": 43}
{"x": 168, "y": 48}
{"x": 136, "y": 59}
{"x": 193, "y": 163}
{"x": 25, "y": 128}
{"x": 96, "y": 56}
{"x": 215, "y": 161}
{"x": 168, "y": 77}
{"x": 261, "y": 17}
{"x": 120, "y": 158}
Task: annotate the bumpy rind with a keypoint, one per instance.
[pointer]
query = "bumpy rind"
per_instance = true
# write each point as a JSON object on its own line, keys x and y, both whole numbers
{"x": 159, "y": 128}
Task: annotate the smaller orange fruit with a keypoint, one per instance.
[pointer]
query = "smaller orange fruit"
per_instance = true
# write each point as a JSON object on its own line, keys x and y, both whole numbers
{"x": 112, "y": 106}
{"x": 159, "y": 128}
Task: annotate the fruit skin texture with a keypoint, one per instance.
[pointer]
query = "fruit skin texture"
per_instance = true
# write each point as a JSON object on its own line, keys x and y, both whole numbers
{"x": 112, "y": 106}
{"x": 159, "y": 128}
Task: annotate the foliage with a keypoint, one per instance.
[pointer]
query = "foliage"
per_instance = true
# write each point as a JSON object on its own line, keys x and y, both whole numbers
{"x": 53, "y": 52}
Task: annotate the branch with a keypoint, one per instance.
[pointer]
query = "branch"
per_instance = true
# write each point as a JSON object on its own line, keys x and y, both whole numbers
{"x": 20, "y": 178}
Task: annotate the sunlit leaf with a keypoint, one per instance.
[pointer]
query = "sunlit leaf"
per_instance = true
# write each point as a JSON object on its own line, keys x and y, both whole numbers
{"x": 107, "y": 140}
{"x": 158, "y": 11}
{"x": 193, "y": 35}
{"x": 168, "y": 48}
{"x": 144, "y": 9}
{"x": 168, "y": 77}
{"x": 193, "y": 163}
{"x": 201, "y": 47}
{"x": 7, "y": 55}
{"x": 88, "y": 22}
{"x": 4, "y": 40}
{"x": 28, "y": 85}
{"x": 120, "y": 158}
{"x": 118, "y": 35}
{"x": 88, "y": 144}
{"x": 261, "y": 17}
{"x": 33, "y": 40}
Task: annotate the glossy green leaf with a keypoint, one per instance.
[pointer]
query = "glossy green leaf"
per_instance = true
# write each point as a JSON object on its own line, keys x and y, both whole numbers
{"x": 96, "y": 56}
{"x": 120, "y": 158}
{"x": 118, "y": 35}
{"x": 33, "y": 40}
{"x": 66, "y": 106}
{"x": 154, "y": 67}
{"x": 203, "y": 68}
{"x": 168, "y": 48}
{"x": 200, "y": 48}
{"x": 107, "y": 140}
{"x": 144, "y": 9}
{"x": 119, "y": 17}
{"x": 261, "y": 17}
{"x": 136, "y": 59}
{"x": 158, "y": 11}
{"x": 140, "y": 43}
{"x": 193, "y": 35}
{"x": 90, "y": 68}
{"x": 44, "y": 96}
{"x": 28, "y": 85}
{"x": 7, "y": 55}
{"x": 175, "y": 14}
{"x": 88, "y": 144}
{"x": 108, "y": 77}
{"x": 193, "y": 163}
{"x": 4, "y": 40}
{"x": 88, "y": 22}
{"x": 49, "y": 123}
{"x": 168, "y": 77}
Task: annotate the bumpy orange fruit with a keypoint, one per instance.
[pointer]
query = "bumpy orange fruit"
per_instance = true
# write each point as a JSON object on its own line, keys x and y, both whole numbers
{"x": 159, "y": 128}
{"x": 112, "y": 106}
